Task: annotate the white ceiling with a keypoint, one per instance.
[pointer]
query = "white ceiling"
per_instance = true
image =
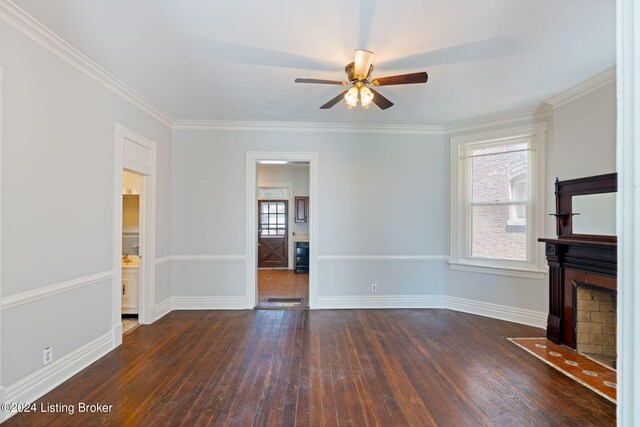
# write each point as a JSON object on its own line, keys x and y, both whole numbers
{"x": 237, "y": 59}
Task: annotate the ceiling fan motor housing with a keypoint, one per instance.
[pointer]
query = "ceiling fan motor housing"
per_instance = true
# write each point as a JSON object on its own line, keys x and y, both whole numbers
{"x": 350, "y": 70}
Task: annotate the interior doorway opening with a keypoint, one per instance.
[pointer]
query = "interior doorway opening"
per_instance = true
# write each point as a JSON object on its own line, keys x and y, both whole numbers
{"x": 137, "y": 155}
{"x": 131, "y": 249}
{"x": 282, "y": 190}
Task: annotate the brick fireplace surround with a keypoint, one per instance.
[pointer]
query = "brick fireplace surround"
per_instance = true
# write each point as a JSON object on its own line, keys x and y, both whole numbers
{"x": 595, "y": 317}
{"x": 575, "y": 264}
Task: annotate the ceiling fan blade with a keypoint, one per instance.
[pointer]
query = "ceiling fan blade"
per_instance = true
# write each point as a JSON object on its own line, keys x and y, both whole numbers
{"x": 334, "y": 101}
{"x": 402, "y": 79}
{"x": 380, "y": 100}
{"x": 319, "y": 81}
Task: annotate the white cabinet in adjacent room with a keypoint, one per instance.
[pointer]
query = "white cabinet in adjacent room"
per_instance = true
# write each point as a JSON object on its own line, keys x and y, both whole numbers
{"x": 130, "y": 281}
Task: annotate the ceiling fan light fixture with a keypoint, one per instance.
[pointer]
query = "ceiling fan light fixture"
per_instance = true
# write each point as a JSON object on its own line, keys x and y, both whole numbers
{"x": 366, "y": 97}
{"x": 351, "y": 97}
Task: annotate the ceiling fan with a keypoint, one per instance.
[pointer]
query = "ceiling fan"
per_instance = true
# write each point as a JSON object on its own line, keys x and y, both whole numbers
{"x": 358, "y": 76}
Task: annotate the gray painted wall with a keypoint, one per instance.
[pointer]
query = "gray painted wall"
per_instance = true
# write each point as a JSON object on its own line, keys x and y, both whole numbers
{"x": 57, "y": 189}
{"x": 379, "y": 194}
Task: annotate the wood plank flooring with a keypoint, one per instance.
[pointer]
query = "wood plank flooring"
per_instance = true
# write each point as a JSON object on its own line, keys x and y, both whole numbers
{"x": 282, "y": 284}
{"x": 325, "y": 368}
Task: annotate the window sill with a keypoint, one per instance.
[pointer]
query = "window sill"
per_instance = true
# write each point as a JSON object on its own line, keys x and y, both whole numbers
{"x": 521, "y": 273}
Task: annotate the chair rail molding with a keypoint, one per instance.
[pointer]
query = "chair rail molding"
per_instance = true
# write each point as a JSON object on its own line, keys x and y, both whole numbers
{"x": 27, "y": 297}
{"x": 383, "y": 258}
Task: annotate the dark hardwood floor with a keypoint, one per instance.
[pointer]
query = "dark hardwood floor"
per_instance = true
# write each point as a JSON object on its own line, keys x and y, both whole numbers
{"x": 282, "y": 284}
{"x": 329, "y": 367}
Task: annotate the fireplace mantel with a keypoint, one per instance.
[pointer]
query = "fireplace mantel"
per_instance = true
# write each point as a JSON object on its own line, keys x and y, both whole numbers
{"x": 574, "y": 261}
{"x": 577, "y": 259}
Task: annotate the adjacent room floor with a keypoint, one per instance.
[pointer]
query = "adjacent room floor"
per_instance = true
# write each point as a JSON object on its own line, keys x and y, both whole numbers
{"x": 282, "y": 284}
{"x": 328, "y": 367}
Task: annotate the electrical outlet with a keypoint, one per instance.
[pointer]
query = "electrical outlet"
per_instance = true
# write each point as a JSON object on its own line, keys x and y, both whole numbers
{"x": 374, "y": 288}
{"x": 47, "y": 356}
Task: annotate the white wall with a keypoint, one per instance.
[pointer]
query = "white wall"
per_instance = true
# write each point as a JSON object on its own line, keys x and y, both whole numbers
{"x": 581, "y": 141}
{"x": 59, "y": 124}
{"x": 379, "y": 195}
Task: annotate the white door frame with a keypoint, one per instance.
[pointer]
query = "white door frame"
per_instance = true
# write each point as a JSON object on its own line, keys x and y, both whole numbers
{"x": 135, "y": 153}
{"x": 251, "y": 291}
{"x": 628, "y": 208}
{"x": 2, "y": 393}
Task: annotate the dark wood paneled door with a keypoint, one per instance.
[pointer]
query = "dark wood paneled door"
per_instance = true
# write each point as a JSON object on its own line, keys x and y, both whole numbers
{"x": 273, "y": 233}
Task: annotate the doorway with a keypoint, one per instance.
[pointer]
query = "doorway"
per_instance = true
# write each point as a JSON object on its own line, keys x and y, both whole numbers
{"x": 131, "y": 222}
{"x": 134, "y": 186}
{"x": 282, "y": 232}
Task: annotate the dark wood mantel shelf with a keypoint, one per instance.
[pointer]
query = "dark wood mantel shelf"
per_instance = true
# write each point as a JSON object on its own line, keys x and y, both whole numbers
{"x": 576, "y": 242}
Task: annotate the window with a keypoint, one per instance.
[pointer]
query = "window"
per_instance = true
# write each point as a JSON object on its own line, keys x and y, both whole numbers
{"x": 495, "y": 182}
{"x": 273, "y": 218}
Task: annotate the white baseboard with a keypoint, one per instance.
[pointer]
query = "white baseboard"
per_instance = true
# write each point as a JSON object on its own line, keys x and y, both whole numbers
{"x": 523, "y": 316}
{"x": 209, "y": 303}
{"x": 162, "y": 309}
{"x": 3, "y": 398}
{"x": 117, "y": 333}
{"x": 39, "y": 383}
{"x": 381, "y": 301}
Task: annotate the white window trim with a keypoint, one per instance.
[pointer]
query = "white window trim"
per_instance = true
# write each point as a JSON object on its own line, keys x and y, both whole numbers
{"x": 533, "y": 268}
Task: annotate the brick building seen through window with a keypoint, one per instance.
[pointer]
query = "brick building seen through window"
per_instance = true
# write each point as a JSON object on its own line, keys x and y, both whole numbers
{"x": 498, "y": 201}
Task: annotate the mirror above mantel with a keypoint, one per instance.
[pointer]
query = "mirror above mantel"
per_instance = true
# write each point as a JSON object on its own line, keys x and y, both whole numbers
{"x": 586, "y": 208}
{"x": 597, "y": 214}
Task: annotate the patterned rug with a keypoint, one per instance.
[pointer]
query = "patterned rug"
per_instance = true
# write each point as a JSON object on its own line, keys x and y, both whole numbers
{"x": 588, "y": 372}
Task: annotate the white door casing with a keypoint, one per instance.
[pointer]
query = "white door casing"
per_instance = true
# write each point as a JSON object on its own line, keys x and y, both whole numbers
{"x": 135, "y": 153}
{"x": 252, "y": 158}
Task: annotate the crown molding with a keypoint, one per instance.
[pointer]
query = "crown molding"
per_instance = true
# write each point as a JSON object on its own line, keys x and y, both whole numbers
{"x": 30, "y": 27}
{"x": 583, "y": 88}
{"x": 307, "y": 127}
{"x": 532, "y": 115}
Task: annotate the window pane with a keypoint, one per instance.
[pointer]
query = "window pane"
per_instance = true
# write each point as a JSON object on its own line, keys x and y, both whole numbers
{"x": 280, "y": 218}
{"x": 264, "y": 219}
{"x": 264, "y": 207}
{"x": 272, "y": 208}
{"x": 495, "y": 233}
{"x": 280, "y": 207}
{"x": 281, "y": 231}
{"x": 500, "y": 177}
